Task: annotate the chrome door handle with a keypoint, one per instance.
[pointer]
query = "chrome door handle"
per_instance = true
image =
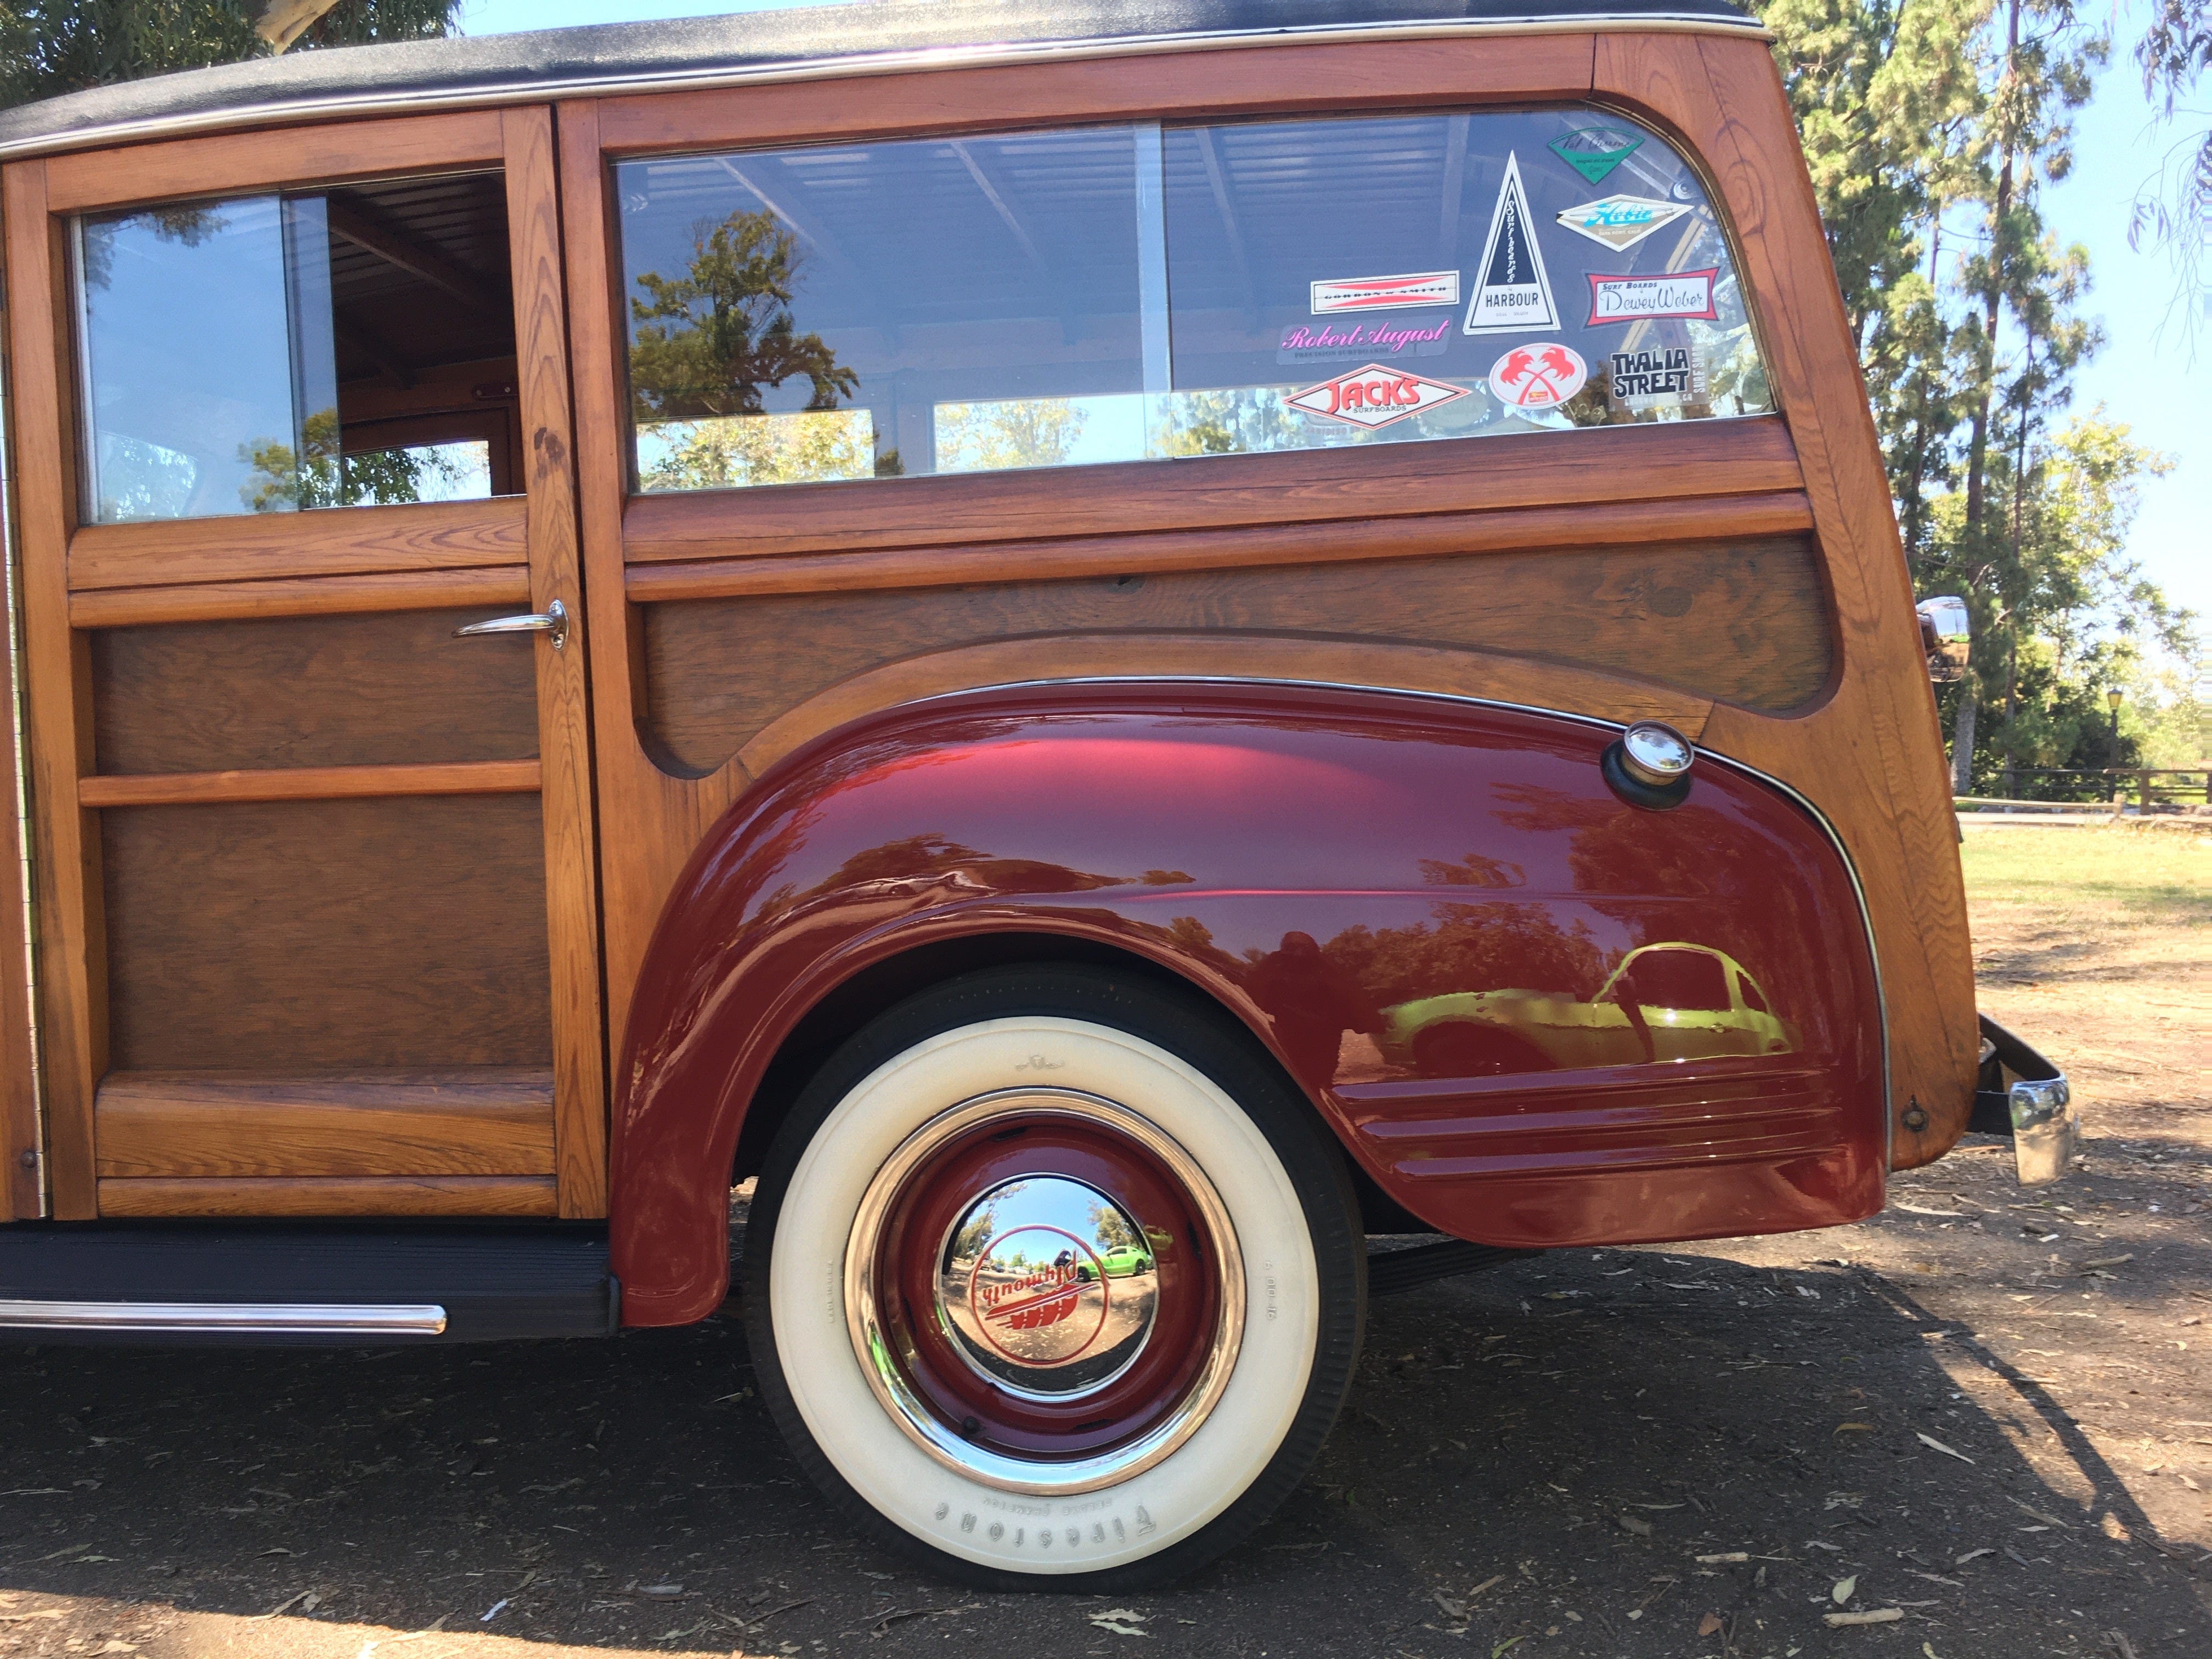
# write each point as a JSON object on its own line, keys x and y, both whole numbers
{"x": 552, "y": 622}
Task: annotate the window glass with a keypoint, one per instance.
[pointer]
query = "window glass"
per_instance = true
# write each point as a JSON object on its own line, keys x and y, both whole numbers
{"x": 230, "y": 350}
{"x": 1685, "y": 981}
{"x": 982, "y": 304}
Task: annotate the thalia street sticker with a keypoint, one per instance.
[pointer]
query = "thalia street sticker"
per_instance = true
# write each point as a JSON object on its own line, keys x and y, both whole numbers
{"x": 1595, "y": 151}
{"x": 1426, "y": 287}
{"x": 1620, "y": 221}
{"x": 1537, "y": 375}
{"x": 1511, "y": 293}
{"x": 1375, "y": 395}
{"x": 1665, "y": 379}
{"x": 1633, "y": 298}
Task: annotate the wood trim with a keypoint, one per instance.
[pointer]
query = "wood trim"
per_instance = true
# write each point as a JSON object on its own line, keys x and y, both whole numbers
{"x": 328, "y": 1195}
{"x": 1532, "y": 681}
{"x": 490, "y": 1121}
{"x": 1511, "y": 530}
{"x": 1869, "y": 756}
{"x": 1595, "y": 466}
{"x": 418, "y": 536}
{"x": 72, "y": 992}
{"x": 1332, "y": 78}
{"x": 519, "y": 777}
{"x": 288, "y": 157}
{"x": 301, "y": 596}
{"x": 572, "y": 900}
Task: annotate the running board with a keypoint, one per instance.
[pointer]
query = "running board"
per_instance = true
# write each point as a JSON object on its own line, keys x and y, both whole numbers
{"x": 259, "y": 1284}
{"x": 1390, "y": 1271}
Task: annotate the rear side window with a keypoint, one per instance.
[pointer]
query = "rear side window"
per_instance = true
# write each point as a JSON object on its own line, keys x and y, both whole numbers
{"x": 1158, "y": 292}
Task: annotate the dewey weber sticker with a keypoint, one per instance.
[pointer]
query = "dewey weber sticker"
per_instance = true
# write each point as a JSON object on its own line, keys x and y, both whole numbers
{"x": 1633, "y": 298}
{"x": 1538, "y": 376}
{"x": 1656, "y": 380}
{"x": 1374, "y": 395}
{"x": 1322, "y": 343}
{"x": 1511, "y": 293}
{"x": 1426, "y": 288}
{"x": 1595, "y": 151}
{"x": 1620, "y": 221}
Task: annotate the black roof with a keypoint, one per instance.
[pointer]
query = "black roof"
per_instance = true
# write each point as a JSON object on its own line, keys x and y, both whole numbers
{"x": 788, "y": 44}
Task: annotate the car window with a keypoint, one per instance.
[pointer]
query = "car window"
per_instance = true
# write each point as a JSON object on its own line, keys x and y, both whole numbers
{"x": 1689, "y": 981}
{"x": 982, "y": 304}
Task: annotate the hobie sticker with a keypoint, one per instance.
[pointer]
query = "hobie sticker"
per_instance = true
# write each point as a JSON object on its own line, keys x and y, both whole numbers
{"x": 1375, "y": 395}
{"x": 1595, "y": 151}
{"x": 1538, "y": 375}
{"x": 1426, "y": 288}
{"x": 1620, "y": 221}
{"x": 1633, "y": 298}
{"x": 1511, "y": 293}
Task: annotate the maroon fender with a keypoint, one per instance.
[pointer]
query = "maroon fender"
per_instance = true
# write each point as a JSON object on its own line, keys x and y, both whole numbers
{"x": 1535, "y": 1015}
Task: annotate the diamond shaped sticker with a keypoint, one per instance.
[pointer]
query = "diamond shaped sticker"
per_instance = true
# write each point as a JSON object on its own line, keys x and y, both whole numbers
{"x": 1374, "y": 395}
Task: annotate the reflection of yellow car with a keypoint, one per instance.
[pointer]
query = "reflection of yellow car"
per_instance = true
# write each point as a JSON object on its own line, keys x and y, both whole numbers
{"x": 1671, "y": 1001}
{"x": 1119, "y": 1263}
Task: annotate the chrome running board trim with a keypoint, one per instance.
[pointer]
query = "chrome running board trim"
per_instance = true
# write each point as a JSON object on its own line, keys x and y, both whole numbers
{"x": 264, "y": 1318}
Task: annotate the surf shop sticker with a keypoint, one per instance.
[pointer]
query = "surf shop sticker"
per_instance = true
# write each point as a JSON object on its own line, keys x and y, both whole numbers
{"x": 1634, "y": 299}
{"x": 1538, "y": 375}
{"x": 1595, "y": 151}
{"x": 1620, "y": 221}
{"x": 1424, "y": 288}
{"x": 1374, "y": 395}
{"x": 1511, "y": 293}
{"x": 1666, "y": 378}
{"x": 1339, "y": 343}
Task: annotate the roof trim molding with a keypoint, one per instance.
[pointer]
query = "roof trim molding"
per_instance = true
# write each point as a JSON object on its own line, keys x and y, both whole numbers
{"x": 247, "y": 116}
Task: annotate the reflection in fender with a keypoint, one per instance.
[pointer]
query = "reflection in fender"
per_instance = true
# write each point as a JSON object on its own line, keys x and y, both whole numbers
{"x": 1535, "y": 1015}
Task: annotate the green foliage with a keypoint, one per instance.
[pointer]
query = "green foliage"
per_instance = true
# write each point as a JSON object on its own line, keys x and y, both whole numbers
{"x": 48, "y": 47}
{"x": 317, "y": 474}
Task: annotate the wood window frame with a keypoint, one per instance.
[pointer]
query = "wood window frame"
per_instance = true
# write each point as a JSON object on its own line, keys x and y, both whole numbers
{"x": 426, "y": 555}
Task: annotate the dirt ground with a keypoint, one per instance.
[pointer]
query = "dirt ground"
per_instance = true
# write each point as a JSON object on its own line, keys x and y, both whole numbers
{"x": 1991, "y": 1412}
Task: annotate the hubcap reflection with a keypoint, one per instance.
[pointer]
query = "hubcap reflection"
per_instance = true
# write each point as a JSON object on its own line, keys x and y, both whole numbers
{"x": 1048, "y": 1286}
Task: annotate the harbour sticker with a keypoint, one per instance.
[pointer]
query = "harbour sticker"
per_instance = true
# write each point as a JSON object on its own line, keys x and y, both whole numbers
{"x": 1633, "y": 299}
{"x": 1620, "y": 221}
{"x": 1595, "y": 151}
{"x": 1538, "y": 375}
{"x": 1374, "y": 395}
{"x": 1426, "y": 287}
{"x": 1512, "y": 295}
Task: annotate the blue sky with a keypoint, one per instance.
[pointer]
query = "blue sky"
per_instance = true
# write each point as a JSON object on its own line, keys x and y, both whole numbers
{"x": 2141, "y": 376}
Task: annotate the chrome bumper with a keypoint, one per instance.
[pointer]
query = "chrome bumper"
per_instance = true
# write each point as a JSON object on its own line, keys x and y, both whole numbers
{"x": 2023, "y": 1097}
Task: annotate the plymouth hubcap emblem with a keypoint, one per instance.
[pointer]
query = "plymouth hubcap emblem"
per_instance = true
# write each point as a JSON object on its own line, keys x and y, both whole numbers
{"x": 1048, "y": 1286}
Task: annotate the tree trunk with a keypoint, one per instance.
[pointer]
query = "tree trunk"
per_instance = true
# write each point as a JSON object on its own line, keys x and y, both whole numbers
{"x": 1916, "y": 509}
{"x": 2012, "y": 711}
{"x": 1962, "y": 738}
{"x": 1979, "y": 448}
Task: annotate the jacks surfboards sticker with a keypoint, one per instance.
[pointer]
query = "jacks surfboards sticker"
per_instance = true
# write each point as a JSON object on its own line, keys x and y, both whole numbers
{"x": 1511, "y": 293}
{"x": 1538, "y": 375}
{"x": 1633, "y": 299}
{"x": 1620, "y": 221}
{"x": 1595, "y": 151}
{"x": 1374, "y": 395}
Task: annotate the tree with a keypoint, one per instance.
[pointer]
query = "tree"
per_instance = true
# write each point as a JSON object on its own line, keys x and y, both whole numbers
{"x": 2173, "y": 212}
{"x": 48, "y": 47}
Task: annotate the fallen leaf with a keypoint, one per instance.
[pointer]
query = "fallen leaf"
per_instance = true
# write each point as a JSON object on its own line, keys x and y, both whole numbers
{"x": 2110, "y": 1260}
{"x": 1973, "y": 1555}
{"x": 1930, "y": 1440}
{"x": 1515, "y": 1643}
{"x": 1848, "y": 1428}
{"x": 1724, "y": 1559}
{"x": 660, "y": 1592}
{"x": 1452, "y": 1610}
{"x": 1879, "y": 1616}
{"x": 1122, "y": 1621}
{"x": 1844, "y": 1590}
{"x": 1491, "y": 1582}
{"x": 1635, "y": 1523}
{"x": 1709, "y": 1624}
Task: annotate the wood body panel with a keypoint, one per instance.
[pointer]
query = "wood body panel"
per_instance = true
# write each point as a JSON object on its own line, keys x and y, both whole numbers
{"x": 506, "y": 586}
{"x": 200, "y": 1124}
{"x": 336, "y": 541}
{"x": 1741, "y": 622}
{"x": 300, "y": 1196}
{"x": 286, "y": 936}
{"x": 388, "y": 690}
{"x": 312, "y": 783}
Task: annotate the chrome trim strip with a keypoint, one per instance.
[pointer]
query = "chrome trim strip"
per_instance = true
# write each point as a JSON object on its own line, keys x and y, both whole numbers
{"x": 544, "y": 88}
{"x": 244, "y": 1318}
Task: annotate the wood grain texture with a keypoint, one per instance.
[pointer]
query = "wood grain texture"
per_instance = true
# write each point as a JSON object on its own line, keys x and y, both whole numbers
{"x": 1328, "y": 79}
{"x": 1739, "y": 621}
{"x": 1497, "y": 676}
{"x": 394, "y": 689}
{"x": 72, "y": 995}
{"x": 311, "y": 783}
{"x": 338, "y": 541}
{"x": 285, "y": 937}
{"x": 291, "y": 157}
{"x": 501, "y": 586}
{"x": 328, "y": 1195}
{"x": 1511, "y": 529}
{"x": 1591, "y": 466}
{"x": 491, "y": 1121}
{"x": 579, "y": 1056}
{"x": 1870, "y": 756}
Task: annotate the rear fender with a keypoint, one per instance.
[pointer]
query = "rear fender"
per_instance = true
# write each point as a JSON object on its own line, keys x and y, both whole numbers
{"x": 1322, "y": 864}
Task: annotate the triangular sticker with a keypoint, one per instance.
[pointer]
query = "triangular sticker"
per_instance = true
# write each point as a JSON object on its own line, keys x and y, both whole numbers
{"x": 1512, "y": 295}
{"x": 1595, "y": 151}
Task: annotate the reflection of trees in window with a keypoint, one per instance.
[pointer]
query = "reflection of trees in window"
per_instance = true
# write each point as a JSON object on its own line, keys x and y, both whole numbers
{"x": 1233, "y": 421}
{"x": 995, "y": 437}
{"x": 186, "y": 225}
{"x": 708, "y": 342}
{"x": 319, "y": 476}
{"x": 728, "y": 452}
